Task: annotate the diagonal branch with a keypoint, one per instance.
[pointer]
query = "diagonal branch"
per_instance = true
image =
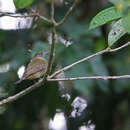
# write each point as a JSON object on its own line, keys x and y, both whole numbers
{"x": 87, "y": 58}
{"x": 43, "y": 18}
{"x": 68, "y": 13}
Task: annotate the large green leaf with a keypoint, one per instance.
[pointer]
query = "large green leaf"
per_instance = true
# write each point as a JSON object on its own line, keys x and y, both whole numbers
{"x": 22, "y": 3}
{"x": 104, "y": 17}
{"x": 116, "y": 32}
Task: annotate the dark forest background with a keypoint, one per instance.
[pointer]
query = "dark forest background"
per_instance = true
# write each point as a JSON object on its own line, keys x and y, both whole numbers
{"x": 108, "y": 101}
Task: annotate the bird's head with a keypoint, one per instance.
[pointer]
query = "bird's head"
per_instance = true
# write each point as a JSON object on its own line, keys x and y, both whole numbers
{"x": 41, "y": 54}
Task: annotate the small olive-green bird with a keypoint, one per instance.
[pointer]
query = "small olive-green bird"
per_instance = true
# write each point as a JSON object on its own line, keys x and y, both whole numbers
{"x": 36, "y": 68}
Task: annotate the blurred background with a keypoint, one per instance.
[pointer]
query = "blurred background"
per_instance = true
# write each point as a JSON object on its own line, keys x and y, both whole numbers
{"x": 77, "y": 105}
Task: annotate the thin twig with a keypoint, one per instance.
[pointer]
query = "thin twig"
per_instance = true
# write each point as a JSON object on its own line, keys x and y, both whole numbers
{"x": 68, "y": 13}
{"x": 119, "y": 48}
{"x": 87, "y": 58}
{"x": 34, "y": 14}
{"x": 90, "y": 77}
{"x": 16, "y": 15}
{"x": 44, "y": 18}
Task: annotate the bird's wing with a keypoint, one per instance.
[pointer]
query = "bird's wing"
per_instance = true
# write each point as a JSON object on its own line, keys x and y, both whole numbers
{"x": 36, "y": 65}
{"x": 28, "y": 75}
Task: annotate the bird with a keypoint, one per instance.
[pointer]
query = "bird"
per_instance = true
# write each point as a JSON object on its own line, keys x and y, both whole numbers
{"x": 36, "y": 68}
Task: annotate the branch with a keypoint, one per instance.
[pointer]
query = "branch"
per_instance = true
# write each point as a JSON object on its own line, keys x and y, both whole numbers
{"x": 90, "y": 77}
{"x": 38, "y": 84}
{"x": 34, "y": 14}
{"x": 43, "y": 18}
{"x": 87, "y": 58}
{"x": 15, "y": 15}
{"x": 68, "y": 13}
{"x": 119, "y": 48}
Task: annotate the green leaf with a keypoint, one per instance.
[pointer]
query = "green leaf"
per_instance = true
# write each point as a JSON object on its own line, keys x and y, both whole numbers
{"x": 22, "y": 3}
{"x": 116, "y": 32}
{"x": 126, "y": 22}
{"x": 104, "y": 17}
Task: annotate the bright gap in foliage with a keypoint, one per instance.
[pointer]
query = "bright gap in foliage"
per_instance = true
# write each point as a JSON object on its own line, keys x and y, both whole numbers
{"x": 11, "y": 23}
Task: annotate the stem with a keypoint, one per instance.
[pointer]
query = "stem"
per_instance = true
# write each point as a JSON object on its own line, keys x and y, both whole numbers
{"x": 68, "y": 13}
{"x": 90, "y": 77}
{"x": 52, "y": 51}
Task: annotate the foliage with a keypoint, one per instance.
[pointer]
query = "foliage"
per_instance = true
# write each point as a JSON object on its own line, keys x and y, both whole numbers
{"x": 120, "y": 11}
{"x": 116, "y": 32}
{"x": 22, "y": 3}
{"x": 105, "y": 16}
